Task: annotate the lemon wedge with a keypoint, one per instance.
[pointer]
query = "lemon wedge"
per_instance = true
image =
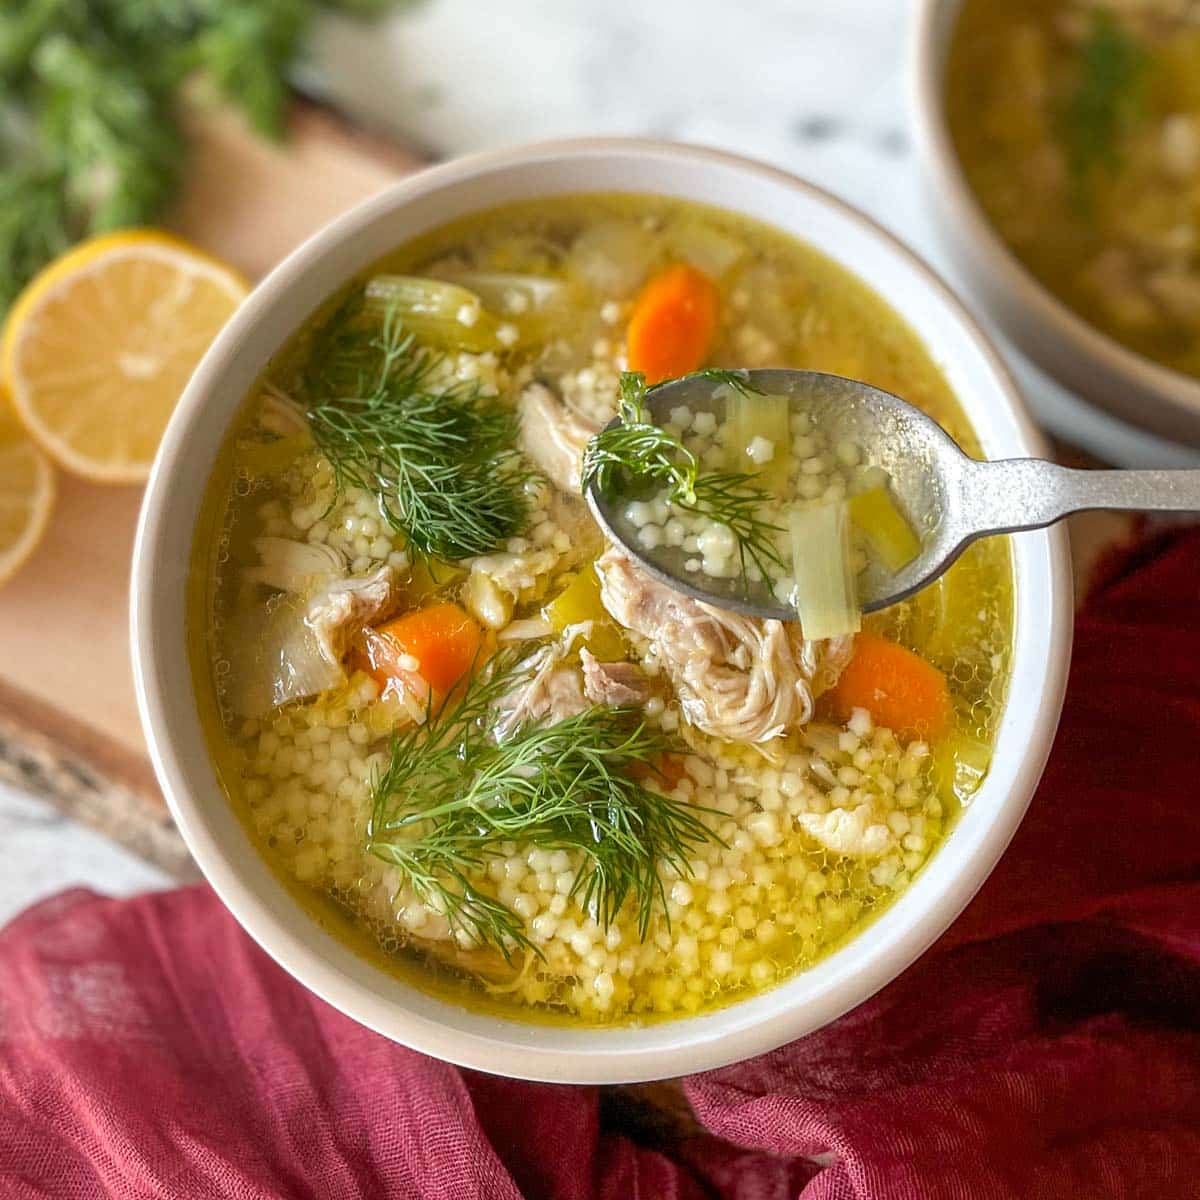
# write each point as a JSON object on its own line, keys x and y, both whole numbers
{"x": 26, "y": 492}
{"x": 99, "y": 346}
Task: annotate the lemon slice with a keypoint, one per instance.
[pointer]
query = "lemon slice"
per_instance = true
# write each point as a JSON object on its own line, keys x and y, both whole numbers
{"x": 100, "y": 345}
{"x": 26, "y": 492}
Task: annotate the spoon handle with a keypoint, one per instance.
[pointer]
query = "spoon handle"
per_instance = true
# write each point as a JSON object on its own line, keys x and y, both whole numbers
{"x": 1029, "y": 493}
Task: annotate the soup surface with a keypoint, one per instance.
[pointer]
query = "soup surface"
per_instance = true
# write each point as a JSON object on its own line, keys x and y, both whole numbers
{"x": 1078, "y": 126}
{"x": 483, "y": 747}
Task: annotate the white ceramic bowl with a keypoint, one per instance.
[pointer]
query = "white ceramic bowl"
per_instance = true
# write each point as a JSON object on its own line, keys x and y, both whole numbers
{"x": 276, "y": 308}
{"x": 1061, "y": 343}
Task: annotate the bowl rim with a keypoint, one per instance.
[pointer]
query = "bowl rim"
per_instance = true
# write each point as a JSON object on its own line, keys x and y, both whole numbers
{"x": 928, "y": 39}
{"x": 715, "y": 1039}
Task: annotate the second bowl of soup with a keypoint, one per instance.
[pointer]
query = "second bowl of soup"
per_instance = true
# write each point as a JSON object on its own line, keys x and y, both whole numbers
{"x": 474, "y": 777}
{"x": 1062, "y": 144}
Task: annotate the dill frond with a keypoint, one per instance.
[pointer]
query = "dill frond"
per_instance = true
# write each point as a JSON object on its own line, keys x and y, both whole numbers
{"x": 1106, "y": 97}
{"x": 441, "y": 460}
{"x": 636, "y": 454}
{"x": 451, "y": 798}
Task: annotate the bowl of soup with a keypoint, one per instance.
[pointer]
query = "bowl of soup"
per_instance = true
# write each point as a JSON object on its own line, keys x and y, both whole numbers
{"x": 1061, "y": 147}
{"x": 457, "y": 764}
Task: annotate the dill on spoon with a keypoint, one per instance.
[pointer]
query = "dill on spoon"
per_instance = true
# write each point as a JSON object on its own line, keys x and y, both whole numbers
{"x": 636, "y": 452}
{"x": 451, "y": 798}
{"x": 442, "y": 460}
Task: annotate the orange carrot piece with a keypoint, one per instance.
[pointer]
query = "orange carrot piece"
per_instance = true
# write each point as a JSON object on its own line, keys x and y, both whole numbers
{"x": 899, "y": 689}
{"x": 442, "y": 638}
{"x": 673, "y": 322}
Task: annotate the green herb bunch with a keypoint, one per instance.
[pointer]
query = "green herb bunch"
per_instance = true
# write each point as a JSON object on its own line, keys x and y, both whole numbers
{"x": 635, "y": 453}
{"x": 90, "y": 138}
{"x": 442, "y": 460}
{"x": 452, "y": 797}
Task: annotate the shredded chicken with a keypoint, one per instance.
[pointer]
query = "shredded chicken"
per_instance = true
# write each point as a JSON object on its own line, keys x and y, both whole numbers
{"x": 739, "y": 678}
{"x": 617, "y": 684}
{"x": 553, "y": 436}
{"x": 291, "y": 566}
{"x": 552, "y": 693}
{"x": 345, "y": 606}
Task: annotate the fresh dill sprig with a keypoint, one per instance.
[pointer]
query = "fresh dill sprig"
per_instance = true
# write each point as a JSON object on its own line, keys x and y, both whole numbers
{"x": 636, "y": 452}
{"x": 1105, "y": 99}
{"x": 452, "y": 797}
{"x": 441, "y": 460}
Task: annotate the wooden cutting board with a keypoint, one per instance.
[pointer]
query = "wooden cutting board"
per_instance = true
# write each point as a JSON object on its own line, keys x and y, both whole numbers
{"x": 68, "y": 722}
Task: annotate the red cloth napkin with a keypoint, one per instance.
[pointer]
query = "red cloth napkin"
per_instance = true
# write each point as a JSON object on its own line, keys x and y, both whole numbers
{"x": 1049, "y": 1046}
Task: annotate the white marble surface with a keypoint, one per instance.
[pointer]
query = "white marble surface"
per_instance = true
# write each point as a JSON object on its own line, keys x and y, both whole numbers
{"x": 815, "y": 86}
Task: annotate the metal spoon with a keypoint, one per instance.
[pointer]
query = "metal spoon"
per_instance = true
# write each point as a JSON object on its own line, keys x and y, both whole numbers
{"x": 949, "y": 499}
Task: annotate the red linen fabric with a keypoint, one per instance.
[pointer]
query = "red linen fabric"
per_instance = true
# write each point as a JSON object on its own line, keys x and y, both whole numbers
{"x": 1047, "y": 1047}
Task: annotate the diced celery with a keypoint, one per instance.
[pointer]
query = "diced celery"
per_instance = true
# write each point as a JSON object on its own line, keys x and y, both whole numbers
{"x": 580, "y": 601}
{"x": 428, "y": 577}
{"x": 960, "y": 766}
{"x": 438, "y": 313}
{"x": 888, "y": 533}
{"x": 749, "y": 417}
{"x": 824, "y": 597}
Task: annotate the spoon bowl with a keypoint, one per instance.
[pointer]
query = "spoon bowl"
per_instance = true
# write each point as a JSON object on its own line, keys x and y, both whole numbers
{"x": 948, "y": 498}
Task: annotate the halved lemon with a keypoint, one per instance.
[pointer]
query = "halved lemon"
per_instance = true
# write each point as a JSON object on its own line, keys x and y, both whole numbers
{"x": 99, "y": 346}
{"x": 26, "y": 492}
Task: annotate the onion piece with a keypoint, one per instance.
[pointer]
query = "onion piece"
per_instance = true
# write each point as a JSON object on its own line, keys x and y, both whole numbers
{"x": 279, "y": 658}
{"x": 704, "y": 246}
{"x": 613, "y": 257}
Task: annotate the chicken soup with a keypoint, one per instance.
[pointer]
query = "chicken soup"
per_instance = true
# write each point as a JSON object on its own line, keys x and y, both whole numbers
{"x": 1077, "y": 123}
{"x": 480, "y": 744}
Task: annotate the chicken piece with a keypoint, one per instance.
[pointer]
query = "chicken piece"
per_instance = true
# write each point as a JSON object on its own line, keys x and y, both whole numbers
{"x": 344, "y": 607}
{"x": 738, "y": 678}
{"x": 616, "y": 684}
{"x": 291, "y": 566}
{"x": 552, "y": 692}
{"x": 853, "y": 832}
{"x": 554, "y": 436}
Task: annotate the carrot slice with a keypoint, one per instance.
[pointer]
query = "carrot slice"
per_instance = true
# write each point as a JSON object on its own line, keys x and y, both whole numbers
{"x": 673, "y": 322}
{"x": 898, "y": 688}
{"x": 442, "y": 638}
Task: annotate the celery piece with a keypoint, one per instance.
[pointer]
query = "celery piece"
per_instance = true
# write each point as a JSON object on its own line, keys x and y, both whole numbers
{"x": 750, "y": 416}
{"x": 498, "y": 289}
{"x": 580, "y": 601}
{"x": 888, "y": 533}
{"x": 437, "y": 313}
{"x": 428, "y": 578}
{"x": 960, "y": 765}
{"x": 824, "y": 596}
